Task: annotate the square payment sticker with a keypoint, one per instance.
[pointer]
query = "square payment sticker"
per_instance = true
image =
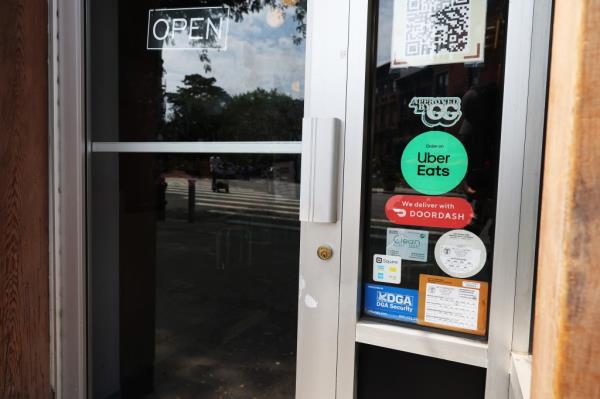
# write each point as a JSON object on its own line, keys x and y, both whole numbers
{"x": 386, "y": 269}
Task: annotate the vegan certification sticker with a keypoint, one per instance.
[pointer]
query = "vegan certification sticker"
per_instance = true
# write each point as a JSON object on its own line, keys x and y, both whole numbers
{"x": 460, "y": 253}
{"x": 407, "y": 244}
{"x": 434, "y": 162}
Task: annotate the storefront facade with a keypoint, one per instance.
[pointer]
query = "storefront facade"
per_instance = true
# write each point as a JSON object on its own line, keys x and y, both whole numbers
{"x": 288, "y": 198}
{"x": 176, "y": 174}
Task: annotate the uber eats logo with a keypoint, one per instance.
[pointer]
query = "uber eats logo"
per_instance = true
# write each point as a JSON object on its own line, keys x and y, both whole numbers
{"x": 434, "y": 162}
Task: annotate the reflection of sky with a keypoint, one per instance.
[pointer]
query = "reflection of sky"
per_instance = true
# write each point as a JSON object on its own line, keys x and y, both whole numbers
{"x": 260, "y": 54}
{"x": 384, "y": 35}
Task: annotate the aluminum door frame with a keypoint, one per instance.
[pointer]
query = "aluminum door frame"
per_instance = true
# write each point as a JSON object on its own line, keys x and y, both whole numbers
{"x": 67, "y": 228}
{"x": 326, "y": 85}
{"x": 524, "y": 104}
{"x": 326, "y": 69}
{"x": 334, "y": 328}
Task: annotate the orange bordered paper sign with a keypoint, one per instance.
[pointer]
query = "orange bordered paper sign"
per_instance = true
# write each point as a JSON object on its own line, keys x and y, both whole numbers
{"x": 453, "y": 304}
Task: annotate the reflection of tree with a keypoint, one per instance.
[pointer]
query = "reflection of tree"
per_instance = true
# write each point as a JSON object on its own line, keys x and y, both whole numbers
{"x": 196, "y": 109}
{"x": 200, "y": 110}
{"x": 262, "y": 115}
{"x": 241, "y": 7}
{"x": 238, "y": 9}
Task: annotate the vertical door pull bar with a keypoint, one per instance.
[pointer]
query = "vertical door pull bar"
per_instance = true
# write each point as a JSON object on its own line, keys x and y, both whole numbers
{"x": 319, "y": 172}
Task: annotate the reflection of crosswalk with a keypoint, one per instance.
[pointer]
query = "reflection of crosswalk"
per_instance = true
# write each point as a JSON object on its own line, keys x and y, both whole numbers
{"x": 259, "y": 202}
{"x": 246, "y": 199}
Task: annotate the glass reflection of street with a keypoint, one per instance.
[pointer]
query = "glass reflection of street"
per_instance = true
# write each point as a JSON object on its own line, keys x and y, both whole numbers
{"x": 225, "y": 292}
{"x": 208, "y": 278}
{"x": 194, "y": 258}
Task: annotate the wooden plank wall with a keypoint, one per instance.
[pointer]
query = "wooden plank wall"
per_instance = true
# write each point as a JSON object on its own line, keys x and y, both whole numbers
{"x": 24, "y": 330}
{"x": 566, "y": 345}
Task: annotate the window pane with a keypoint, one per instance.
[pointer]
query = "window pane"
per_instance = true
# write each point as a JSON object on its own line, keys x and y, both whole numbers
{"x": 194, "y": 275}
{"x": 245, "y": 84}
{"x": 433, "y": 150}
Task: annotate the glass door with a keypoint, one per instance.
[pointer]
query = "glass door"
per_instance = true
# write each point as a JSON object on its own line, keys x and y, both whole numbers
{"x": 443, "y": 143}
{"x": 203, "y": 283}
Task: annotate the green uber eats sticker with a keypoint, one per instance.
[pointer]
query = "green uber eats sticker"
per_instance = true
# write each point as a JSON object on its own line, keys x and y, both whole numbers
{"x": 434, "y": 162}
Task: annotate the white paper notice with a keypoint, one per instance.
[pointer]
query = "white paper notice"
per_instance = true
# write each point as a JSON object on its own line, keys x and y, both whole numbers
{"x": 452, "y": 306}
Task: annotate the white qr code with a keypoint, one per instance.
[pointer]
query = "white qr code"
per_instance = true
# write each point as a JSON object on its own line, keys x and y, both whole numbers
{"x": 437, "y": 26}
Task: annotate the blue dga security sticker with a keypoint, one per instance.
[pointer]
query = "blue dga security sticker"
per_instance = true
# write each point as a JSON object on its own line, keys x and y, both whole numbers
{"x": 407, "y": 244}
{"x": 391, "y": 303}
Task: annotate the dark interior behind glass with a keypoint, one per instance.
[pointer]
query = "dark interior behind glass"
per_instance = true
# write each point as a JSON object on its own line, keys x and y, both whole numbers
{"x": 393, "y": 374}
{"x": 194, "y": 275}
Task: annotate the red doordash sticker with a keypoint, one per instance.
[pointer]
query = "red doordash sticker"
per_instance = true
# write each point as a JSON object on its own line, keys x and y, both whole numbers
{"x": 419, "y": 210}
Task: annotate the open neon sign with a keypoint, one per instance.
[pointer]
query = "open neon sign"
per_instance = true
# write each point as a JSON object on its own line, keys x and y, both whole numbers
{"x": 188, "y": 28}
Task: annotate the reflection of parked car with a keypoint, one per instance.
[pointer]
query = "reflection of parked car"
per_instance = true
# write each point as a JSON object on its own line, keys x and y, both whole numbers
{"x": 226, "y": 170}
{"x": 220, "y": 170}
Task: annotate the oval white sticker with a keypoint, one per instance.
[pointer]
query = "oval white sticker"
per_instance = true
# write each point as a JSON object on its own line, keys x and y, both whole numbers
{"x": 460, "y": 253}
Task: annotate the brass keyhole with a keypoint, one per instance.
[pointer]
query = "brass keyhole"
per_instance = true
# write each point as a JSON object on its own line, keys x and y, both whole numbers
{"x": 325, "y": 252}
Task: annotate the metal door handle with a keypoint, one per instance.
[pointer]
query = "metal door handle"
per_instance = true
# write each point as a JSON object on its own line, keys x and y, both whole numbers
{"x": 319, "y": 172}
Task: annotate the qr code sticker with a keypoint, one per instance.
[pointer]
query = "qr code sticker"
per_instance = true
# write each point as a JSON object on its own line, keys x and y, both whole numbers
{"x": 437, "y": 26}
